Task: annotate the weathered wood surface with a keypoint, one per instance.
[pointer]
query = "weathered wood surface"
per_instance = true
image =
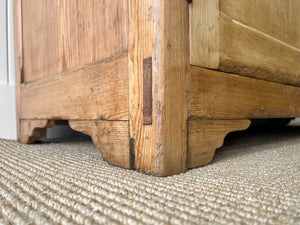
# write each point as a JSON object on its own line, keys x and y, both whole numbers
{"x": 64, "y": 35}
{"x": 141, "y": 46}
{"x": 98, "y": 91}
{"x": 279, "y": 19}
{"x": 110, "y": 137}
{"x": 218, "y": 95}
{"x": 33, "y": 130}
{"x": 205, "y": 136}
{"x": 160, "y": 148}
{"x": 224, "y": 37}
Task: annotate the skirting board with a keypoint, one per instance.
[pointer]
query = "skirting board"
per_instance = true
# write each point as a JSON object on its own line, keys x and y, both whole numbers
{"x": 8, "y": 112}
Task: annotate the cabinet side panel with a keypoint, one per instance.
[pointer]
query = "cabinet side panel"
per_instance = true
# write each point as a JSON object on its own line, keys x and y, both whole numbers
{"x": 63, "y": 35}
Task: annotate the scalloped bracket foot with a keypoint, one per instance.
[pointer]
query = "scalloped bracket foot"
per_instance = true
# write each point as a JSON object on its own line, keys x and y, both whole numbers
{"x": 205, "y": 136}
{"x": 33, "y": 130}
{"x": 110, "y": 137}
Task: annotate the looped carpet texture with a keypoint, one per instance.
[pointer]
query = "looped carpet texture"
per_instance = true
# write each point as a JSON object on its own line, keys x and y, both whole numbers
{"x": 253, "y": 179}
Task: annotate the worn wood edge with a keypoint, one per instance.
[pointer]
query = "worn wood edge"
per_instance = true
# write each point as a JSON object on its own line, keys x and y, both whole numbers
{"x": 172, "y": 64}
{"x": 219, "y": 95}
{"x": 33, "y": 130}
{"x": 205, "y": 136}
{"x": 141, "y": 46}
{"x": 159, "y": 29}
{"x": 99, "y": 91}
{"x": 242, "y": 53}
{"x": 110, "y": 137}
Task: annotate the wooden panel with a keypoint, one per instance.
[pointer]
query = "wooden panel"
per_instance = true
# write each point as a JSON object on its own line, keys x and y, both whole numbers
{"x": 277, "y": 18}
{"x": 218, "y": 95}
{"x": 63, "y": 35}
{"x": 98, "y": 91}
{"x": 246, "y": 51}
{"x": 205, "y": 136}
{"x": 222, "y": 43}
{"x": 110, "y": 137}
{"x": 160, "y": 148}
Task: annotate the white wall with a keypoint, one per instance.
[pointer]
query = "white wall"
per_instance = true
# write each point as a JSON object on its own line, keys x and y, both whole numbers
{"x": 7, "y": 87}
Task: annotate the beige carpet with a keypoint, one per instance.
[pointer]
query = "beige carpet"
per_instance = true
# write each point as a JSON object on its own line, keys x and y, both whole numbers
{"x": 253, "y": 179}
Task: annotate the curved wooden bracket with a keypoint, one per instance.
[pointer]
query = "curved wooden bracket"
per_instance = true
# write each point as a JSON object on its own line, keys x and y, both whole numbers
{"x": 110, "y": 137}
{"x": 205, "y": 136}
{"x": 33, "y": 130}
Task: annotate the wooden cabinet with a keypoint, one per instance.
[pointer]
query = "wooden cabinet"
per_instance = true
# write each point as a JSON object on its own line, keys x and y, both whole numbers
{"x": 157, "y": 84}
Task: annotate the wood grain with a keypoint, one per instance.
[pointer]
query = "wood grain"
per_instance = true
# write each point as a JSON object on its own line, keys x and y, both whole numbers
{"x": 244, "y": 45}
{"x": 246, "y": 51}
{"x": 98, "y": 91}
{"x": 160, "y": 148}
{"x": 110, "y": 137}
{"x": 33, "y": 130}
{"x": 218, "y": 95}
{"x": 205, "y": 136}
{"x": 277, "y": 18}
{"x": 65, "y": 35}
{"x": 141, "y": 46}
{"x": 172, "y": 66}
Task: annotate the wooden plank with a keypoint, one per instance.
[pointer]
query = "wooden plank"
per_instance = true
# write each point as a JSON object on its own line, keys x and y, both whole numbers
{"x": 110, "y": 137}
{"x": 205, "y": 136}
{"x": 218, "y": 95}
{"x": 246, "y": 51}
{"x": 98, "y": 91}
{"x": 171, "y": 93}
{"x": 65, "y": 35}
{"x": 160, "y": 148}
{"x": 141, "y": 46}
{"x": 222, "y": 43}
{"x": 277, "y": 18}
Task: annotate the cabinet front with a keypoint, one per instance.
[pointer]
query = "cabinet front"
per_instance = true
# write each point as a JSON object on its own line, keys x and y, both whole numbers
{"x": 258, "y": 38}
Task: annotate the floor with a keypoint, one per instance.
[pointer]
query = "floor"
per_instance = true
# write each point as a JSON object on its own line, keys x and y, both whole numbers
{"x": 253, "y": 179}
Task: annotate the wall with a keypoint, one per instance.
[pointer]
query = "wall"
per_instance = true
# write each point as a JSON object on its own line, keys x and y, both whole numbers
{"x": 7, "y": 87}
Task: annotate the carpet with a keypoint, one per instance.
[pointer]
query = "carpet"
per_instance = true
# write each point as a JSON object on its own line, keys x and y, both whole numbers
{"x": 253, "y": 179}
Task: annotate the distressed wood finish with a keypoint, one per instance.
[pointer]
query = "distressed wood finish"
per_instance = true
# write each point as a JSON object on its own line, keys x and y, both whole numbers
{"x": 205, "y": 136}
{"x": 141, "y": 46}
{"x": 279, "y": 19}
{"x": 160, "y": 148}
{"x": 33, "y": 130}
{"x": 98, "y": 91}
{"x": 217, "y": 95}
{"x": 222, "y": 37}
{"x": 120, "y": 71}
{"x": 64, "y": 35}
{"x": 110, "y": 137}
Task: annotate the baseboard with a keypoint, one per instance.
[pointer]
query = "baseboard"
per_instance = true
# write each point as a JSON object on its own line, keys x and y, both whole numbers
{"x": 7, "y": 112}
